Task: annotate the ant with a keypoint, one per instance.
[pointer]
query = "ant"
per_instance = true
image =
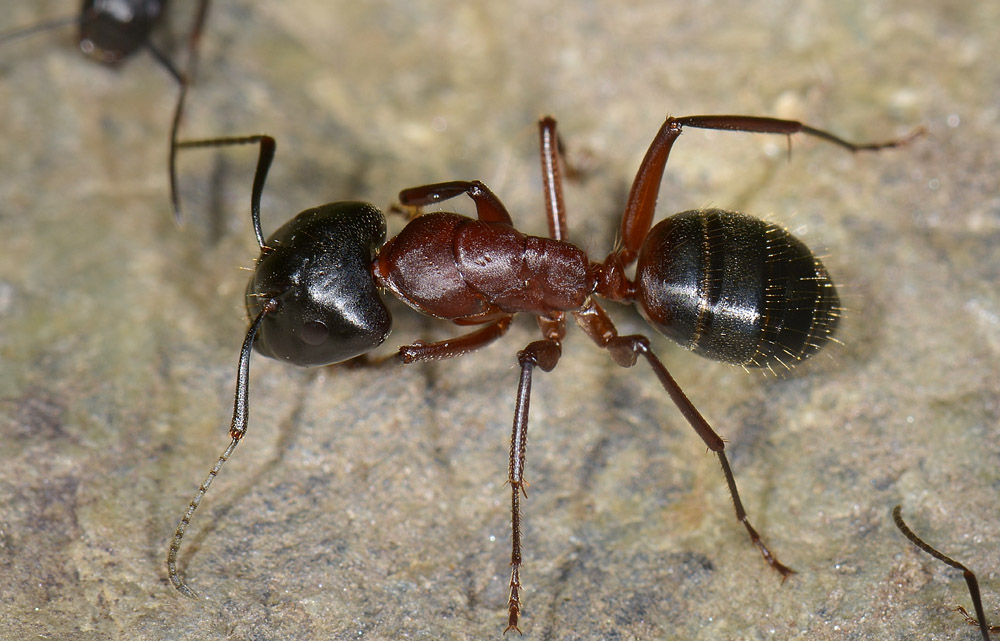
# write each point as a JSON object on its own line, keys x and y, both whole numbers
{"x": 725, "y": 285}
{"x": 110, "y": 31}
{"x": 970, "y": 578}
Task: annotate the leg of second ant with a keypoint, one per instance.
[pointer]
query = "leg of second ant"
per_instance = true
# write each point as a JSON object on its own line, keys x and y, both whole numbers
{"x": 184, "y": 79}
{"x": 175, "y": 201}
{"x": 194, "y": 38}
{"x": 544, "y": 354}
{"x": 175, "y": 122}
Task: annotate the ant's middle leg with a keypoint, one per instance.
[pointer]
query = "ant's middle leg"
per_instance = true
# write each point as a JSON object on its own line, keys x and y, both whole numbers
{"x": 641, "y": 204}
{"x": 625, "y": 350}
{"x": 552, "y": 177}
{"x": 554, "y": 166}
{"x": 544, "y": 354}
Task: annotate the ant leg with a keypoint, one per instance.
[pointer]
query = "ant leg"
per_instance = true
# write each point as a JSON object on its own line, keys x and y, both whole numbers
{"x": 764, "y": 125}
{"x": 175, "y": 124}
{"x": 488, "y": 206}
{"x": 971, "y": 620}
{"x": 267, "y": 147}
{"x": 552, "y": 178}
{"x": 970, "y": 577}
{"x": 554, "y": 164}
{"x": 457, "y": 346}
{"x": 237, "y": 429}
{"x": 184, "y": 80}
{"x": 641, "y": 204}
{"x": 625, "y": 351}
{"x": 544, "y": 354}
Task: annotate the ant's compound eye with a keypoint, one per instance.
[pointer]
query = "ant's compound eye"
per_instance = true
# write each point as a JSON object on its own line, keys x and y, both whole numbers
{"x": 314, "y": 333}
{"x": 318, "y": 266}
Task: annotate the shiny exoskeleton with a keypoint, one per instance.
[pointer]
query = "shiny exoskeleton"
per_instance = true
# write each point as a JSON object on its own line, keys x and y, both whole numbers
{"x": 970, "y": 577}
{"x": 111, "y": 31}
{"x": 728, "y": 286}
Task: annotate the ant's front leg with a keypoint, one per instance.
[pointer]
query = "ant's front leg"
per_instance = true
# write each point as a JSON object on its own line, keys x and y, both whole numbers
{"x": 456, "y": 346}
{"x": 184, "y": 80}
{"x": 488, "y": 206}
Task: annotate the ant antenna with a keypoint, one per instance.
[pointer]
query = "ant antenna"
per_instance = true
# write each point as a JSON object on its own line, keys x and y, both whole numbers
{"x": 267, "y": 149}
{"x": 237, "y": 429}
{"x": 48, "y": 25}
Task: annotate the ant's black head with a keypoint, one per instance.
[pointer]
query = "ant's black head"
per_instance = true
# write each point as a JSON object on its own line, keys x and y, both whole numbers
{"x": 318, "y": 267}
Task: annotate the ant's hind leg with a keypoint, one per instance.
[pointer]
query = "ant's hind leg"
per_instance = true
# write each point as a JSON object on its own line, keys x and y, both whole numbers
{"x": 626, "y": 350}
{"x": 764, "y": 125}
{"x": 641, "y": 204}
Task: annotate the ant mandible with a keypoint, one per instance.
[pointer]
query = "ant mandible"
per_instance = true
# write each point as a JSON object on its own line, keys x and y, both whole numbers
{"x": 111, "y": 31}
{"x": 970, "y": 577}
{"x": 725, "y": 285}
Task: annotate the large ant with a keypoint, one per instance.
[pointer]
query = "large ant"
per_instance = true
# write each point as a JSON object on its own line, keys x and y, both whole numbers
{"x": 725, "y": 285}
{"x": 110, "y": 31}
{"x": 970, "y": 578}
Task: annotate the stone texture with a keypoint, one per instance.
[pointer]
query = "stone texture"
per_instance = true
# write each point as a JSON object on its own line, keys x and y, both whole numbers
{"x": 370, "y": 503}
